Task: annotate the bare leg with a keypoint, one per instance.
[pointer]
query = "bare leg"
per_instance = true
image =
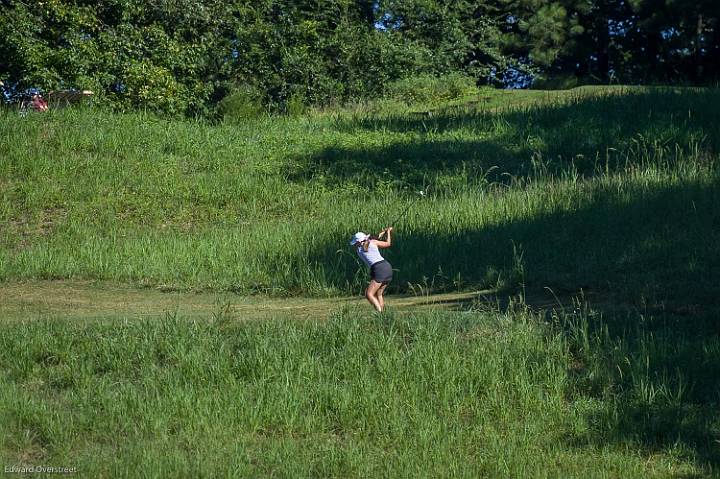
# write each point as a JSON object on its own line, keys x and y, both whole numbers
{"x": 379, "y": 296}
{"x": 371, "y": 294}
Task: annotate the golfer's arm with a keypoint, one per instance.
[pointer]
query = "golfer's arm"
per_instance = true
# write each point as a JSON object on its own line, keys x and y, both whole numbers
{"x": 385, "y": 244}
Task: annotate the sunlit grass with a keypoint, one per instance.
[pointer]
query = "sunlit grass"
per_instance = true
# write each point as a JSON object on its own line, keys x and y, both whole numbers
{"x": 513, "y": 394}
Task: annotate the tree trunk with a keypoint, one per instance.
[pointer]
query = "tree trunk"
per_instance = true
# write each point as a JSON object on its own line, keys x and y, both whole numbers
{"x": 603, "y": 43}
{"x": 698, "y": 49}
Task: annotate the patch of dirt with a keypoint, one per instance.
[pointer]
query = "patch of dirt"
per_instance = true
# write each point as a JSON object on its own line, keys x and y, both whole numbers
{"x": 27, "y": 227}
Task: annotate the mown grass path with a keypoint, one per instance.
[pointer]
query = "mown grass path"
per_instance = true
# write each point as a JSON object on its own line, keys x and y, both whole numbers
{"x": 97, "y": 300}
{"x": 107, "y": 300}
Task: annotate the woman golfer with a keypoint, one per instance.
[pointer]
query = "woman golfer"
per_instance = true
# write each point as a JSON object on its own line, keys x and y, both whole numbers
{"x": 381, "y": 273}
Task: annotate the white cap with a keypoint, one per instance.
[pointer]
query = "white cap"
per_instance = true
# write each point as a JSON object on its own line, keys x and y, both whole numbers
{"x": 359, "y": 237}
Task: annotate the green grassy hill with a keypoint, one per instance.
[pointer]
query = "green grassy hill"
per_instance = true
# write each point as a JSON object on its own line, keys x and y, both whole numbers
{"x": 605, "y": 189}
{"x": 612, "y": 192}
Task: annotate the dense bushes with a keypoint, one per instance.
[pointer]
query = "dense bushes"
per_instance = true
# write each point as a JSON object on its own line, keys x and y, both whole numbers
{"x": 429, "y": 88}
{"x": 192, "y": 57}
{"x": 243, "y": 103}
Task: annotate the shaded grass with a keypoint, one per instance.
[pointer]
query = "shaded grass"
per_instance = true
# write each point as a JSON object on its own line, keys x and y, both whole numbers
{"x": 467, "y": 394}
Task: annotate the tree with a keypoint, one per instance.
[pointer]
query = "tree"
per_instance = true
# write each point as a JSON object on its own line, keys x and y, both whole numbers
{"x": 677, "y": 39}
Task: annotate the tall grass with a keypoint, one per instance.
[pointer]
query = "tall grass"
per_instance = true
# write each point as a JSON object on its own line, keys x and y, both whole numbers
{"x": 495, "y": 394}
{"x": 612, "y": 190}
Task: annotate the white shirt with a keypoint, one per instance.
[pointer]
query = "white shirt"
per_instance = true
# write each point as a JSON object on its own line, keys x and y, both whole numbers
{"x": 371, "y": 256}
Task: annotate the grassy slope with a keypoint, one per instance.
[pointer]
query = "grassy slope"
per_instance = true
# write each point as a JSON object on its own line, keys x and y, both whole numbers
{"x": 603, "y": 190}
{"x": 616, "y": 193}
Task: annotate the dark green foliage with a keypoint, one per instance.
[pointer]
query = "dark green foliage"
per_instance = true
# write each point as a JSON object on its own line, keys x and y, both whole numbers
{"x": 243, "y": 103}
{"x": 182, "y": 57}
{"x": 601, "y": 41}
{"x": 160, "y": 55}
{"x": 456, "y": 35}
{"x": 681, "y": 39}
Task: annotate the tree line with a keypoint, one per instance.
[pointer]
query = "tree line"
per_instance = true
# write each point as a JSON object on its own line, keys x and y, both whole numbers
{"x": 183, "y": 57}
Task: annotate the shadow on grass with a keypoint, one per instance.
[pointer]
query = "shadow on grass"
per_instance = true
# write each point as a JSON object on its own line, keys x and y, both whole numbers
{"x": 584, "y": 135}
{"x": 650, "y": 246}
{"x": 653, "y": 249}
{"x": 655, "y": 368}
{"x": 660, "y": 375}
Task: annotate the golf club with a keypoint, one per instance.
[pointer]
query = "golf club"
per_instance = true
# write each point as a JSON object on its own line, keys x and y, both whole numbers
{"x": 421, "y": 194}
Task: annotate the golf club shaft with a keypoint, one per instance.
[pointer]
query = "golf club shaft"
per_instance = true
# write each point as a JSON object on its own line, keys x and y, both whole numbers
{"x": 409, "y": 206}
{"x": 399, "y": 217}
{"x": 405, "y": 212}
